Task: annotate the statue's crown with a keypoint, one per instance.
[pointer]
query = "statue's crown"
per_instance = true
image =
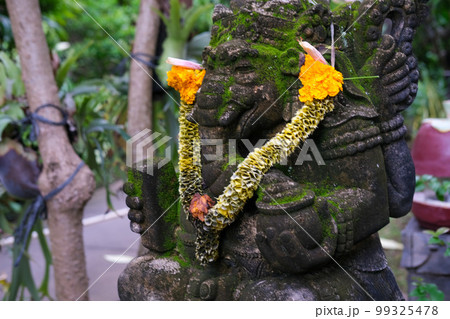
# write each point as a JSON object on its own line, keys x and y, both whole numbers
{"x": 277, "y": 23}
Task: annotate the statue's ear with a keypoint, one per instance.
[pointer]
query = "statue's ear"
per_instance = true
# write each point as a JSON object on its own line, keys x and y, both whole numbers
{"x": 377, "y": 38}
{"x": 221, "y": 12}
{"x": 359, "y": 29}
{"x": 290, "y": 62}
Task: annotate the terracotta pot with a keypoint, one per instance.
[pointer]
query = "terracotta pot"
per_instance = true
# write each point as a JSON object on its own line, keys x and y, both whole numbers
{"x": 431, "y": 150}
{"x": 431, "y": 213}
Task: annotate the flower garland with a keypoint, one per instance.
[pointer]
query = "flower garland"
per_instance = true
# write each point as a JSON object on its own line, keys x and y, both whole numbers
{"x": 320, "y": 83}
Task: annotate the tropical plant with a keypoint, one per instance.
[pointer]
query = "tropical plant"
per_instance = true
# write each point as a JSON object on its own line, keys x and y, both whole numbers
{"x": 179, "y": 27}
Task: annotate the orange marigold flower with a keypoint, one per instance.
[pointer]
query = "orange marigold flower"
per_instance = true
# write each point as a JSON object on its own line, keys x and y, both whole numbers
{"x": 319, "y": 80}
{"x": 186, "y": 81}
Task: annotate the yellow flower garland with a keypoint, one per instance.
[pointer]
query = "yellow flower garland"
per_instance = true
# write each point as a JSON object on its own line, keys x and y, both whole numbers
{"x": 190, "y": 179}
{"x": 244, "y": 182}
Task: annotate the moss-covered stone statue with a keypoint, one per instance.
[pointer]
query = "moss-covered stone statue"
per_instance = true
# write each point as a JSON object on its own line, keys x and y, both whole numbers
{"x": 309, "y": 231}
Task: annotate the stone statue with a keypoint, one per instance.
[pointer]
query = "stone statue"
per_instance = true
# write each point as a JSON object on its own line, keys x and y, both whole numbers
{"x": 310, "y": 232}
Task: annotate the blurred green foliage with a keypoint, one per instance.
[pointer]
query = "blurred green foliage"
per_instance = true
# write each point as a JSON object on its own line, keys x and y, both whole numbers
{"x": 426, "y": 291}
{"x": 115, "y": 16}
{"x": 441, "y": 187}
{"x": 431, "y": 46}
{"x": 435, "y": 239}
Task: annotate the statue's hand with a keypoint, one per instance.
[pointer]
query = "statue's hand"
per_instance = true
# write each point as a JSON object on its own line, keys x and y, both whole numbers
{"x": 296, "y": 242}
{"x": 383, "y": 40}
{"x": 278, "y": 193}
{"x": 151, "y": 216}
{"x": 396, "y": 86}
{"x": 293, "y": 234}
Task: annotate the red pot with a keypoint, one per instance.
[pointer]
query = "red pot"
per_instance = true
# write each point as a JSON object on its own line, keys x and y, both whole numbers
{"x": 431, "y": 155}
{"x": 431, "y": 213}
{"x": 431, "y": 150}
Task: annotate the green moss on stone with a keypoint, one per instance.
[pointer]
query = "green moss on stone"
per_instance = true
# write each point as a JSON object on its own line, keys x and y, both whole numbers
{"x": 327, "y": 229}
{"x": 260, "y": 193}
{"x": 234, "y": 160}
{"x": 135, "y": 179}
{"x": 167, "y": 194}
{"x": 226, "y": 96}
{"x": 288, "y": 199}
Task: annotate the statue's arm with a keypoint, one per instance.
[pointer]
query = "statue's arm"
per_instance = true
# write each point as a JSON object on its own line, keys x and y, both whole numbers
{"x": 322, "y": 223}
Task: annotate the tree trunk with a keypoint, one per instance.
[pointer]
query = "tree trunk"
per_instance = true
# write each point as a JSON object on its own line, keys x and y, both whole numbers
{"x": 140, "y": 88}
{"x": 65, "y": 211}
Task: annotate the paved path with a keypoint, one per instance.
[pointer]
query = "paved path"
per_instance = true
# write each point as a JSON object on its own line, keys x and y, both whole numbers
{"x": 106, "y": 237}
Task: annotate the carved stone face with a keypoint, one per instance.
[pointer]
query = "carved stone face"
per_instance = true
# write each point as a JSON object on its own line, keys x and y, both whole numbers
{"x": 256, "y": 41}
{"x": 252, "y": 67}
{"x": 236, "y": 92}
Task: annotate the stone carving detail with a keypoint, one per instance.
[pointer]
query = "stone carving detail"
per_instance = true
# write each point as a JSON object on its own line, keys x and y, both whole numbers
{"x": 310, "y": 232}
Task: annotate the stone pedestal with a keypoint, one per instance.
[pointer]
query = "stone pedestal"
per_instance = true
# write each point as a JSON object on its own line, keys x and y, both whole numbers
{"x": 424, "y": 260}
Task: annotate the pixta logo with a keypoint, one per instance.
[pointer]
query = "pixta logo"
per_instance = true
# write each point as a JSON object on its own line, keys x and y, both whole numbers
{"x": 230, "y": 148}
{"x": 144, "y": 147}
{"x": 148, "y": 150}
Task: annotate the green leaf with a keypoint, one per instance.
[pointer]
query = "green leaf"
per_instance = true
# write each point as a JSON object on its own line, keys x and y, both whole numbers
{"x": 440, "y": 194}
{"x": 28, "y": 278}
{"x": 435, "y": 293}
{"x": 436, "y": 241}
{"x": 197, "y": 45}
{"x": 420, "y": 186}
{"x": 14, "y": 110}
{"x": 14, "y": 74}
{"x": 192, "y": 19}
{"x": 426, "y": 291}
{"x": 4, "y": 122}
{"x": 10, "y": 113}
{"x": 101, "y": 125}
{"x": 47, "y": 256}
{"x": 174, "y": 26}
{"x": 447, "y": 251}
{"x": 442, "y": 230}
{"x": 69, "y": 63}
{"x": 2, "y": 84}
{"x": 164, "y": 19}
{"x": 4, "y": 224}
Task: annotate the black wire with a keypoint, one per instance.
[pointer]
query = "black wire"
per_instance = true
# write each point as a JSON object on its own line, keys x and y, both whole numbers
{"x": 37, "y": 208}
{"x": 55, "y": 192}
{"x": 33, "y": 118}
{"x": 146, "y": 59}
